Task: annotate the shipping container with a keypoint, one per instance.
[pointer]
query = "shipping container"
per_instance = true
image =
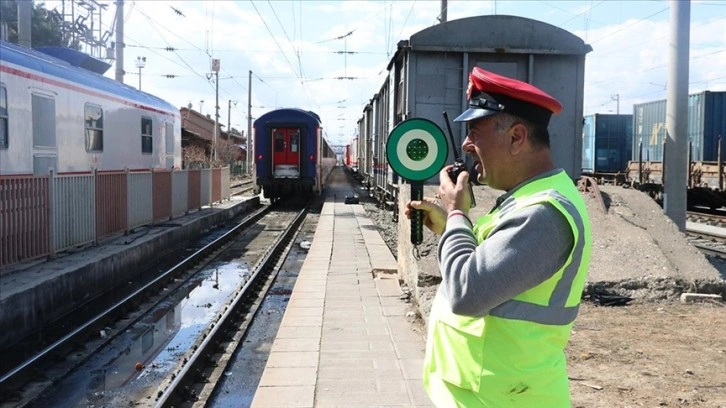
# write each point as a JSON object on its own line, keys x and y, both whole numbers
{"x": 706, "y": 123}
{"x": 606, "y": 143}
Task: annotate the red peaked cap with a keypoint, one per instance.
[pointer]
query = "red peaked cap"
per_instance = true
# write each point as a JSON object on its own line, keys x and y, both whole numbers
{"x": 489, "y": 93}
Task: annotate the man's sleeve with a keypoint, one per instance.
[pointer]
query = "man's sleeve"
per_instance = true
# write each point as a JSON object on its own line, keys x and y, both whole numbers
{"x": 525, "y": 250}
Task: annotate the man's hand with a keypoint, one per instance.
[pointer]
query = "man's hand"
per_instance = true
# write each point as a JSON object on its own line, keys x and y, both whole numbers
{"x": 434, "y": 216}
{"x": 454, "y": 195}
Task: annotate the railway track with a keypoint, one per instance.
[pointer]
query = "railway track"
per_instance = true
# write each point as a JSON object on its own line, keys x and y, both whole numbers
{"x": 196, "y": 378}
{"x": 711, "y": 243}
{"x": 244, "y": 186}
{"x": 259, "y": 242}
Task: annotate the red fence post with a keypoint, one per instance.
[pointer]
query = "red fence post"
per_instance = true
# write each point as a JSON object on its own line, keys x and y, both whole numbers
{"x": 24, "y": 231}
{"x": 161, "y": 185}
{"x": 111, "y": 203}
{"x": 216, "y": 185}
{"x": 194, "y": 191}
{"x": 51, "y": 215}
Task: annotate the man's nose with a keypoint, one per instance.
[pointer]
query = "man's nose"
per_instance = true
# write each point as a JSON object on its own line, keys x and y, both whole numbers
{"x": 467, "y": 144}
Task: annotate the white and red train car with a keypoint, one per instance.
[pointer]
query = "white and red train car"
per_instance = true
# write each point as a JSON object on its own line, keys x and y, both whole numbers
{"x": 57, "y": 115}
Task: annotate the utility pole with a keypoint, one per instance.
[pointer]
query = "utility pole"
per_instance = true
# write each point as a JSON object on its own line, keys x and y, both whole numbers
{"x": 616, "y": 98}
{"x": 250, "y": 154}
{"x": 229, "y": 113}
{"x": 444, "y": 8}
{"x": 215, "y": 69}
{"x": 675, "y": 164}
{"x": 119, "y": 41}
{"x": 25, "y": 12}
{"x": 140, "y": 63}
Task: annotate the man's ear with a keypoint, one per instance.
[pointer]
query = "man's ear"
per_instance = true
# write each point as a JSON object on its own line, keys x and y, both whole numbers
{"x": 519, "y": 136}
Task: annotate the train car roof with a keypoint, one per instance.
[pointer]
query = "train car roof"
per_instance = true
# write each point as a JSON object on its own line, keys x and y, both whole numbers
{"x": 494, "y": 33}
{"x": 52, "y": 66}
{"x": 289, "y": 115}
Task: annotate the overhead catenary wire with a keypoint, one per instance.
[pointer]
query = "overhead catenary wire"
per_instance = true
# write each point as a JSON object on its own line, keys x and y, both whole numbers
{"x": 630, "y": 25}
{"x": 222, "y": 90}
{"x": 300, "y": 70}
{"x": 284, "y": 55}
{"x": 413, "y": 3}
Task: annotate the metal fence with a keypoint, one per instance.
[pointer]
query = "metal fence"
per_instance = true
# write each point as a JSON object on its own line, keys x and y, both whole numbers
{"x": 24, "y": 218}
{"x": 40, "y": 216}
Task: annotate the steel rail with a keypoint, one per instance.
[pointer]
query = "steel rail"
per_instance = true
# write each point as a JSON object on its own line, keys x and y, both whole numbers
{"x": 710, "y": 250}
{"x": 180, "y": 377}
{"x": 7, "y": 378}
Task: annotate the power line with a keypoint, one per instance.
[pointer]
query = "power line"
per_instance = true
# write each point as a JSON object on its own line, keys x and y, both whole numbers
{"x": 284, "y": 55}
{"x": 407, "y": 16}
{"x": 630, "y": 25}
{"x": 154, "y": 25}
{"x": 296, "y": 50}
{"x": 589, "y": 9}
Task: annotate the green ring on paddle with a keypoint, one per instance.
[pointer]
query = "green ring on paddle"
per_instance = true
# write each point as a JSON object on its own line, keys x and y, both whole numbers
{"x": 417, "y": 149}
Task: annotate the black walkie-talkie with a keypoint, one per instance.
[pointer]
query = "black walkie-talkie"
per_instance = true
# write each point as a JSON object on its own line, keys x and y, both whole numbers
{"x": 459, "y": 165}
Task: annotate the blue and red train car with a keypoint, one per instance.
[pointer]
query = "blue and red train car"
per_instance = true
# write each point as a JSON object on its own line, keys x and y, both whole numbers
{"x": 291, "y": 155}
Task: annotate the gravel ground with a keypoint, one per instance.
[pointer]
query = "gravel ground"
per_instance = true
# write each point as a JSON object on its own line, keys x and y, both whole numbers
{"x": 655, "y": 351}
{"x": 637, "y": 251}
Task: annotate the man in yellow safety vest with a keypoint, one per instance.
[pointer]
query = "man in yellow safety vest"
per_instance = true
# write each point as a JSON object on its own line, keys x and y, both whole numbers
{"x": 512, "y": 279}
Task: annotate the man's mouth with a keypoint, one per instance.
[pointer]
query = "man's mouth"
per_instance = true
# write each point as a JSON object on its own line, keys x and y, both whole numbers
{"x": 475, "y": 171}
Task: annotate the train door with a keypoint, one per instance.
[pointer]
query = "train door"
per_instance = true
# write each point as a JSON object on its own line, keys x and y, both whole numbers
{"x": 169, "y": 142}
{"x": 286, "y": 152}
{"x": 45, "y": 151}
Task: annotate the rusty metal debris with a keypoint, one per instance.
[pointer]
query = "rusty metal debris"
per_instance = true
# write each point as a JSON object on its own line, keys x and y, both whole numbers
{"x": 589, "y": 185}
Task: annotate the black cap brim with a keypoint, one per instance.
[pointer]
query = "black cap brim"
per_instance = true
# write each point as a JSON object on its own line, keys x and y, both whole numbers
{"x": 473, "y": 113}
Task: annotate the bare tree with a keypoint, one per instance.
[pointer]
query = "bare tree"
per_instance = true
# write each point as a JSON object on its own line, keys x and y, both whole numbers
{"x": 195, "y": 156}
{"x": 227, "y": 152}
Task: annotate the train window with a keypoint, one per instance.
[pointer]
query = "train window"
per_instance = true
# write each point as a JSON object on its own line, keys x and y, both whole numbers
{"x": 294, "y": 141}
{"x": 94, "y": 127}
{"x": 279, "y": 142}
{"x": 3, "y": 118}
{"x": 147, "y": 135}
{"x": 43, "y": 109}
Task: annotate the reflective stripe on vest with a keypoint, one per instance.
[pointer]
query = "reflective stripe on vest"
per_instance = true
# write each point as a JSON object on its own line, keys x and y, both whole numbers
{"x": 555, "y": 313}
{"x": 518, "y": 345}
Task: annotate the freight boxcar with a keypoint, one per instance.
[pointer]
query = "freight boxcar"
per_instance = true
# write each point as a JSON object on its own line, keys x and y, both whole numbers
{"x": 429, "y": 72}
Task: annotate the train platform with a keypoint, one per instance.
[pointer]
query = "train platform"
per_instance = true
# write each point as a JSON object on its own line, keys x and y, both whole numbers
{"x": 346, "y": 338}
{"x": 34, "y": 293}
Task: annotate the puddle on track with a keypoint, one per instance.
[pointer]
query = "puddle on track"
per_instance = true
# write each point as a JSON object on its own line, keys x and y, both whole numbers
{"x": 239, "y": 384}
{"x": 146, "y": 353}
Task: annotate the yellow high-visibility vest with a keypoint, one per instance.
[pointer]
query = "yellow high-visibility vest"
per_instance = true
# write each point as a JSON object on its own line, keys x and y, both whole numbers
{"x": 513, "y": 356}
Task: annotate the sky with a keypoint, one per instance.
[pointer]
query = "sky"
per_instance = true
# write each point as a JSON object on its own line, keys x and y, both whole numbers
{"x": 331, "y": 56}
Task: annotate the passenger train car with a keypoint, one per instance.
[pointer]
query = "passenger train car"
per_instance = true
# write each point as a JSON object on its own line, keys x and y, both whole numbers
{"x": 291, "y": 155}
{"x": 57, "y": 115}
{"x": 429, "y": 72}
